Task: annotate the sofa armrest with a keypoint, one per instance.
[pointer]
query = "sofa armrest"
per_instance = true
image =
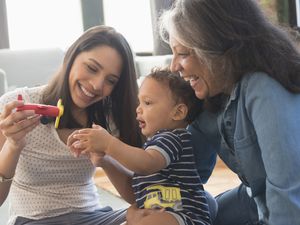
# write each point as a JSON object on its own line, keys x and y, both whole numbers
{"x": 3, "y": 82}
{"x": 30, "y": 67}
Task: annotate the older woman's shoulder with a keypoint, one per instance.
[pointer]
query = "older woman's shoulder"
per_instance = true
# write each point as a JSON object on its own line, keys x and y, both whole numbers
{"x": 260, "y": 82}
{"x": 260, "y": 88}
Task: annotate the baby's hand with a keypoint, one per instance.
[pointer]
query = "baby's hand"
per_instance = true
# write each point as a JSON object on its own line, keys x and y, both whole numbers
{"x": 94, "y": 139}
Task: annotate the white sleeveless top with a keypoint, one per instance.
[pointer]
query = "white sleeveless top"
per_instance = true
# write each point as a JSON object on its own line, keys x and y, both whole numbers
{"x": 49, "y": 181}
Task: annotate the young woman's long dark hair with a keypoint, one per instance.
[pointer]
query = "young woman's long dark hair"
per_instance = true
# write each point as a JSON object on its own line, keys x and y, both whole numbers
{"x": 234, "y": 38}
{"x": 123, "y": 99}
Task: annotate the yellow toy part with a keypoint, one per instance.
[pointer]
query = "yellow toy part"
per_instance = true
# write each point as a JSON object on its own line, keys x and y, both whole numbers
{"x": 61, "y": 112}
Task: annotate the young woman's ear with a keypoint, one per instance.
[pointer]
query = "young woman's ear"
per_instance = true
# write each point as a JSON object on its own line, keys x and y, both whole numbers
{"x": 180, "y": 112}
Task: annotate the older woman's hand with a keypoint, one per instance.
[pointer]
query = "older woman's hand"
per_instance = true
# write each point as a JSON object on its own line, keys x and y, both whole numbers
{"x": 134, "y": 214}
{"x": 14, "y": 125}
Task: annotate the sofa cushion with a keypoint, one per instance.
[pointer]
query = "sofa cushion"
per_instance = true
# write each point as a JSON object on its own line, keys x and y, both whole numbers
{"x": 30, "y": 67}
{"x": 144, "y": 64}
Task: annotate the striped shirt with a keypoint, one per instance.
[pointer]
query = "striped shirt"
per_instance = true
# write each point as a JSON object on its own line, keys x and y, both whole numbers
{"x": 178, "y": 187}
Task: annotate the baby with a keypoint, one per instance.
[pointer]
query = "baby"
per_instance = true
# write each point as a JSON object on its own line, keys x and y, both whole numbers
{"x": 165, "y": 174}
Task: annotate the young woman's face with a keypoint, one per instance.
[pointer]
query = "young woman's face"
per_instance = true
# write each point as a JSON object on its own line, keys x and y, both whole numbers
{"x": 156, "y": 107}
{"x": 190, "y": 67}
{"x": 94, "y": 75}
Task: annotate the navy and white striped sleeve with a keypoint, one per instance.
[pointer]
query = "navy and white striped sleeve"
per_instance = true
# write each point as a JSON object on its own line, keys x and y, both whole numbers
{"x": 168, "y": 144}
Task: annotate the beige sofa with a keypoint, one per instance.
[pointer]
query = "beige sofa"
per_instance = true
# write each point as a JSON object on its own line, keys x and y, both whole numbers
{"x": 19, "y": 68}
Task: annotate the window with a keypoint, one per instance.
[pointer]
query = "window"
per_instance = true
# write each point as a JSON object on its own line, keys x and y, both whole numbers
{"x": 43, "y": 24}
{"x": 56, "y": 23}
{"x": 133, "y": 20}
{"x": 298, "y": 13}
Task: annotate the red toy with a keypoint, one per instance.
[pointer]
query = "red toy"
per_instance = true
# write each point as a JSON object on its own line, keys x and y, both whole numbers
{"x": 45, "y": 110}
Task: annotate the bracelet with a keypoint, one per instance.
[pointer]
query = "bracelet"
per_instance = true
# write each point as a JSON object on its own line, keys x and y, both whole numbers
{"x": 4, "y": 179}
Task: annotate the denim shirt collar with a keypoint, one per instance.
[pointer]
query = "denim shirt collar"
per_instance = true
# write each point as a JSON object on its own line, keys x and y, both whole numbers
{"x": 234, "y": 94}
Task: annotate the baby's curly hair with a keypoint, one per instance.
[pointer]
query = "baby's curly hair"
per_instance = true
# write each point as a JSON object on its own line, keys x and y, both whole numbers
{"x": 181, "y": 90}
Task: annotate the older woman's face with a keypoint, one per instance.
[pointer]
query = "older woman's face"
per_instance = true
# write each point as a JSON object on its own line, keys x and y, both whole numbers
{"x": 190, "y": 67}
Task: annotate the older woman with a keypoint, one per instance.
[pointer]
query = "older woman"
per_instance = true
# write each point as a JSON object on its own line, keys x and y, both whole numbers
{"x": 248, "y": 72}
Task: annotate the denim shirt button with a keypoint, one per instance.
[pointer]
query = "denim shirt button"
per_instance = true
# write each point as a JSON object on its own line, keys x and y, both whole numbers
{"x": 249, "y": 192}
{"x": 228, "y": 123}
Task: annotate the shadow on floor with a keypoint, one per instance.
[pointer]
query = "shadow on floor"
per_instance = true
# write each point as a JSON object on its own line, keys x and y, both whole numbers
{"x": 4, "y": 213}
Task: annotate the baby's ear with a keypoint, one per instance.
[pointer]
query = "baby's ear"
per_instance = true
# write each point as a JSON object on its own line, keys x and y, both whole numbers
{"x": 180, "y": 112}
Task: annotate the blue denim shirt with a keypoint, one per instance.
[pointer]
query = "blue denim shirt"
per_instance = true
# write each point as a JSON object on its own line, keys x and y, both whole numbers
{"x": 258, "y": 137}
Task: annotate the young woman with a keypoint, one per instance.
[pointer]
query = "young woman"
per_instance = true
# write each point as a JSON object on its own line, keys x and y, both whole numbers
{"x": 97, "y": 84}
{"x": 248, "y": 73}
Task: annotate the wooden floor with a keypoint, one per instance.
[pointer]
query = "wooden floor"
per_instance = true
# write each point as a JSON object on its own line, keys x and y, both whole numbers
{"x": 221, "y": 180}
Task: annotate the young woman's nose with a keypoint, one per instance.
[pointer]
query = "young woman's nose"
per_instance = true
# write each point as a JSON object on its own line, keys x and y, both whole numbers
{"x": 97, "y": 83}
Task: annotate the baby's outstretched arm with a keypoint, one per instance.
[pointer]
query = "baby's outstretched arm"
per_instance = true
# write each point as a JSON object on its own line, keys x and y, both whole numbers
{"x": 89, "y": 140}
{"x": 97, "y": 139}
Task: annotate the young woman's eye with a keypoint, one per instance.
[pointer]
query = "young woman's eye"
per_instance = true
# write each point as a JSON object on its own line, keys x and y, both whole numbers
{"x": 91, "y": 68}
{"x": 147, "y": 102}
{"x": 112, "y": 82}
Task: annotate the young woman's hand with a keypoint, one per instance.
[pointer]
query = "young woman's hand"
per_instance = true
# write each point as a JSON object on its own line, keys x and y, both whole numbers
{"x": 73, "y": 142}
{"x": 14, "y": 125}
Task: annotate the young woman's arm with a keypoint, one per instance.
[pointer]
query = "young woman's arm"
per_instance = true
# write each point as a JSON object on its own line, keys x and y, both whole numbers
{"x": 120, "y": 177}
{"x": 13, "y": 128}
{"x": 8, "y": 162}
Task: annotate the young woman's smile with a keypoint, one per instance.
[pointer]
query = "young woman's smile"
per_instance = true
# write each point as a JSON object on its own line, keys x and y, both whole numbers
{"x": 94, "y": 74}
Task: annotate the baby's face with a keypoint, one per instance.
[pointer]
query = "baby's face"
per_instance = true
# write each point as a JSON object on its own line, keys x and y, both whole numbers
{"x": 156, "y": 107}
